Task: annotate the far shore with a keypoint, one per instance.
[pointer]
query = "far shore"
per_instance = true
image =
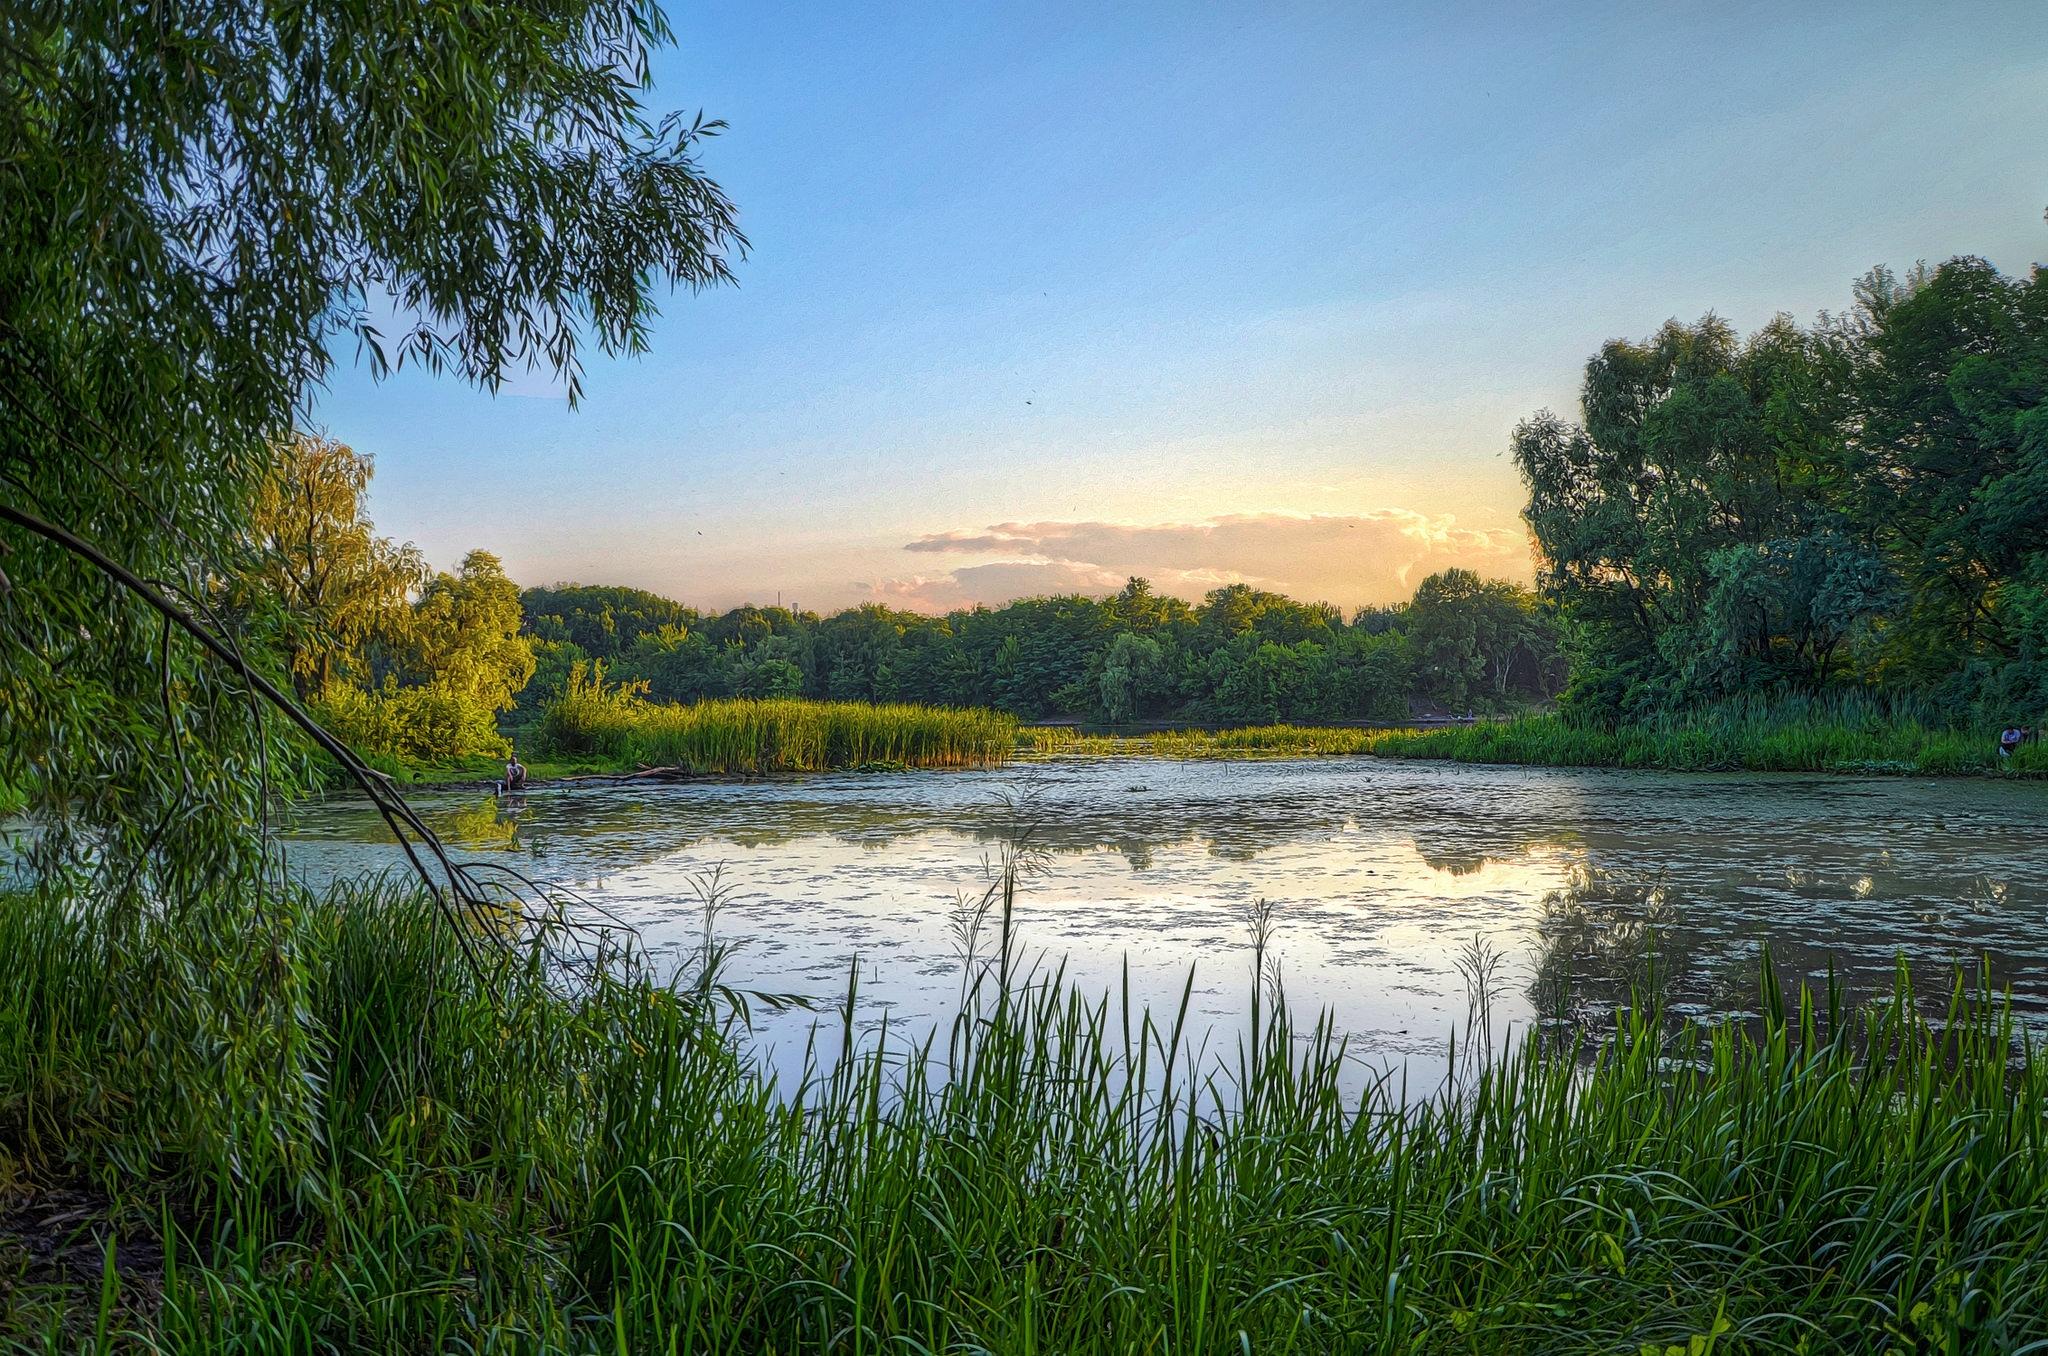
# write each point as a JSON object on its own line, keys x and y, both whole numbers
{"x": 1709, "y": 741}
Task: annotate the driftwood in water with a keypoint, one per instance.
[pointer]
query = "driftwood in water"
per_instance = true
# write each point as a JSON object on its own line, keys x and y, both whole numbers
{"x": 645, "y": 774}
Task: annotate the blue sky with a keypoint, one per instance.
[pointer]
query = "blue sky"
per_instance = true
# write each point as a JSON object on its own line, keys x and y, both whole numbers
{"x": 1041, "y": 296}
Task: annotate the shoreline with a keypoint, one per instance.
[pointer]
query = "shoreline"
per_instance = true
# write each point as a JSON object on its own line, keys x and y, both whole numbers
{"x": 1699, "y": 744}
{"x": 1537, "y": 741}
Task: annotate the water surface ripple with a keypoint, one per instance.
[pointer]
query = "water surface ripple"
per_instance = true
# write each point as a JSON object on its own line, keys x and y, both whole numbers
{"x": 1382, "y": 873}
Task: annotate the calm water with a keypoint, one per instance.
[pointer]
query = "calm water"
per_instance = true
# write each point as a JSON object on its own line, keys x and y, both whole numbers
{"x": 1382, "y": 874}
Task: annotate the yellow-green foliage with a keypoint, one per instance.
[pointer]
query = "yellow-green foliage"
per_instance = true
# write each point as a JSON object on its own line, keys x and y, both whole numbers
{"x": 431, "y": 724}
{"x": 1296, "y": 741}
{"x": 1275, "y": 741}
{"x": 1051, "y": 739}
{"x": 616, "y": 723}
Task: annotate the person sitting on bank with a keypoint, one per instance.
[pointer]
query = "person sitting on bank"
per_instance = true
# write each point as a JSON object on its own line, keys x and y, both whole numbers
{"x": 2011, "y": 739}
{"x": 515, "y": 774}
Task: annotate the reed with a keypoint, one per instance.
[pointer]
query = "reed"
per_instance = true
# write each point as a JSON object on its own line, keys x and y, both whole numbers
{"x": 338, "y": 1135}
{"x": 1846, "y": 733}
{"x": 1836, "y": 734}
{"x": 742, "y": 736}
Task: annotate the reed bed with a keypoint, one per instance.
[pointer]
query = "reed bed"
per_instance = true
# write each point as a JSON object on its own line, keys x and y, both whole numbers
{"x": 744, "y": 736}
{"x": 1848, "y": 733}
{"x": 1841, "y": 734}
{"x": 340, "y": 1136}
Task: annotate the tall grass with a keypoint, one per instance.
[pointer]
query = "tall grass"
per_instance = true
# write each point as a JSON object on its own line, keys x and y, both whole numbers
{"x": 345, "y": 1138}
{"x": 593, "y": 720}
{"x": 1843, "y": 733}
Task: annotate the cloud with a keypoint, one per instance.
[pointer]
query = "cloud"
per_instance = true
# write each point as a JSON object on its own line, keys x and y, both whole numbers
{"x": 994, "y": 583}
{"x": 1348, "y": 559}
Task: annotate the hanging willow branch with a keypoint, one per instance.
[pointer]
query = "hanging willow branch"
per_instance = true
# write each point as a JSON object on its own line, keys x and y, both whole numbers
{"x": 464, "y": 900}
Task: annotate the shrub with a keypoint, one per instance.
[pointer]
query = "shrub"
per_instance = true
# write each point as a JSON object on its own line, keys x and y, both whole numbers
{"x": 433, "y": 724}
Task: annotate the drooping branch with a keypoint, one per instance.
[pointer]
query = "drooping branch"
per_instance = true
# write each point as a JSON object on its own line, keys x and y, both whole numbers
{"x": 456, "y": 892}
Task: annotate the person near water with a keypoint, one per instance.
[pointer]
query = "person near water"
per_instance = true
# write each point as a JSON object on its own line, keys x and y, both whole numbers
{"x": 2011, "y": 739}
{"x": 515, "y": 774}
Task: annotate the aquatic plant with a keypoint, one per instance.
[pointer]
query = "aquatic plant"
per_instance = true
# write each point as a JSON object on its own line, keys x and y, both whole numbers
{"x": 592, "y": 718}
{"x": 1850, "y": 733}
{"x": 341, "y": 1135}
{"x": 1844, "y": 733}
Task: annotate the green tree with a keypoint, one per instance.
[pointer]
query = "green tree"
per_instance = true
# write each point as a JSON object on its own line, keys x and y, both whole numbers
{"x": 1478, "y": 641}
{"x": 603, "y": 621}
{"x": 1260, "y": 682}
{"x": 467, "y": 635}
{"x": 1133, "y": 676}
{"x": 1858, "y": 501}
{"x": 202, "y": 201}
{"x": 772, "y": 678}
{"x": 337, "y": 584}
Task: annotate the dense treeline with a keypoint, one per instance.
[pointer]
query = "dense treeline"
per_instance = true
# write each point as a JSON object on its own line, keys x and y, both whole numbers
{"x": 1241, "y": 655}
{"x": 418, "y": 667}
{"x": 1859, "y": 503}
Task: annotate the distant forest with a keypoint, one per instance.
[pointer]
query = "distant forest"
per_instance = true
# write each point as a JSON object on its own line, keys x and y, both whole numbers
{"x": 426, "y": 667}
{"x": 1242, "y": 655}
{"x": 1857, "y": 506}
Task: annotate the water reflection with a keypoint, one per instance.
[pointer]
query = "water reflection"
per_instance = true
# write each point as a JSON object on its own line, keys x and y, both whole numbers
{"x": 1603, "y": 942}
{"x": 1379, "y": 873}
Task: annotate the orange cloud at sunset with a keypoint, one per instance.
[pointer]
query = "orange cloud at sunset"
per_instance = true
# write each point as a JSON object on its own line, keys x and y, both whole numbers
{"x": 1349, "y": 559}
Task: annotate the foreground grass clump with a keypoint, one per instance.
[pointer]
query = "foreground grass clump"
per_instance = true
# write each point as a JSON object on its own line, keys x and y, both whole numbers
{"x": 592, "y": 720}
{"x": 336, "y": 1134}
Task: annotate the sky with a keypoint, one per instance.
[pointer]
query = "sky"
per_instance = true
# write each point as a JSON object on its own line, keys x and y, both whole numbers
{"x": 1043, "y": 296}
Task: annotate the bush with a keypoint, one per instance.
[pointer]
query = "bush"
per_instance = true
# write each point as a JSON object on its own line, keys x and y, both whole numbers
{"x": 420, "y": 725}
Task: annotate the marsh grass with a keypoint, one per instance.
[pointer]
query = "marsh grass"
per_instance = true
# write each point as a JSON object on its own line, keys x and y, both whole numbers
{"x": 1839, "y": 734}
{"x": 1848, "y": 734}
{"x": 593, "y": 721}
{"x": 339, "y": 1136}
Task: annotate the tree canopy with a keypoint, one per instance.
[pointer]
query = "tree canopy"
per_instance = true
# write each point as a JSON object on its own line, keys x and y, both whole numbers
{"x": 1241, "y": 655}
{"x": 1858, "y": 501}
{"x": 337, "y": 586}
{"x": 206, "y": 206}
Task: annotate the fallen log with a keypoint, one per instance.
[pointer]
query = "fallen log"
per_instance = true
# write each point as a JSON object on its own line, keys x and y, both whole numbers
{"x": 645, "y": 774}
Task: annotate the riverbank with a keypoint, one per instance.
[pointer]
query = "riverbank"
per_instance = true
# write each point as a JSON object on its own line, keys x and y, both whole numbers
{"x": 608, "y": 737}
{"x": 402, "y": 1151}
{"x": 1721, "y": 739}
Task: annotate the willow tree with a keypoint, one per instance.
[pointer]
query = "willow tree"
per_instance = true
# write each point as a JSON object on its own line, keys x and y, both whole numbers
{"x": 336, "y": 584}
{"x": 466, "y": 633}
{"x": 205, "y": 206}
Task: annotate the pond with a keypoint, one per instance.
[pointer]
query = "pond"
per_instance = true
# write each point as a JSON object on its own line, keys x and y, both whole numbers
{"x": 1395, "y": 886}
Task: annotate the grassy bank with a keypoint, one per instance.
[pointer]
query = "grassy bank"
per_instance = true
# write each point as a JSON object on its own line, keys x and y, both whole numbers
{"x": 337, "y": 1135}
{"x": 1797, "y": 735}
{"x": 608, "y": 725}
